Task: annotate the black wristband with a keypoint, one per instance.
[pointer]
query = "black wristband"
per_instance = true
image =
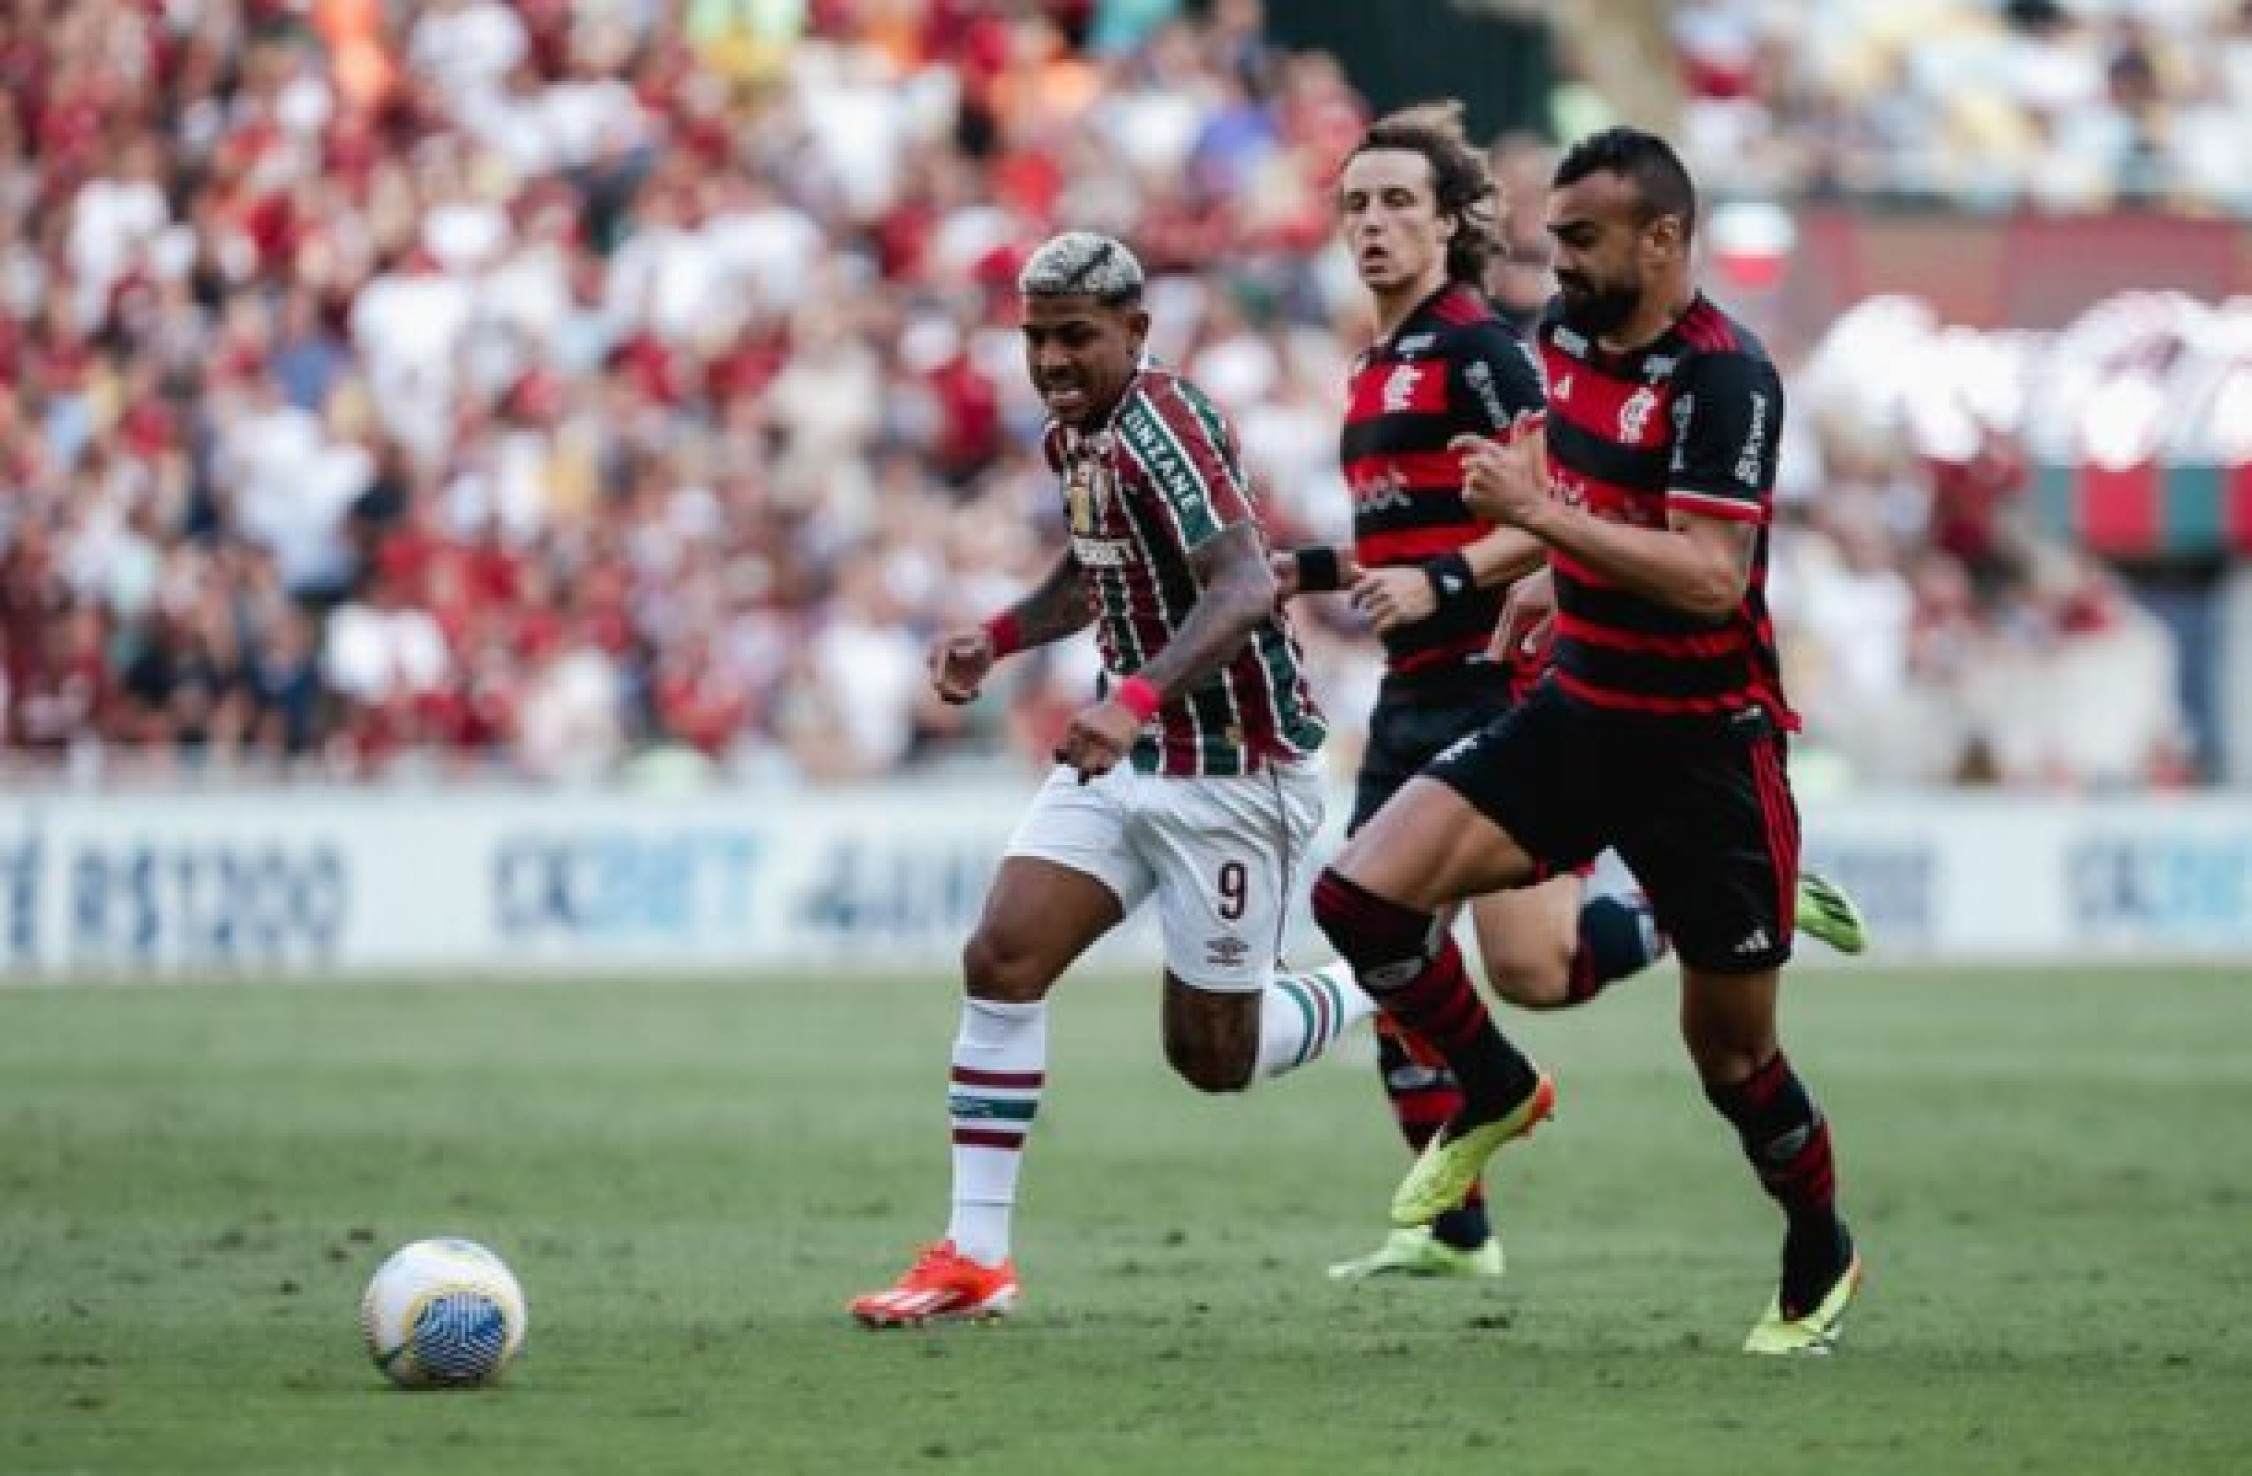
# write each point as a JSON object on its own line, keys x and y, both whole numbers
{"x": 1319, "y": 568}
{"x": 1451, "y": 578}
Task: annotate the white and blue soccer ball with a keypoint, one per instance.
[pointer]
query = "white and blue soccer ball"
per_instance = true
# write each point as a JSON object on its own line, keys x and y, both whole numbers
{"x": 442, "y": 1314}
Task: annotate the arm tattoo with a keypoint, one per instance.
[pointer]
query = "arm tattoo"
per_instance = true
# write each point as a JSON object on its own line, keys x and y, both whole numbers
{"x": 1236, "y": 591}
{"x": 1056, "y": 607}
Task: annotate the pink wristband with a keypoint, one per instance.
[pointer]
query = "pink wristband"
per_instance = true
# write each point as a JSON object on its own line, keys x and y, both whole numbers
{"x": 1002, "y": 631}
{"x": 1138, "y": 695}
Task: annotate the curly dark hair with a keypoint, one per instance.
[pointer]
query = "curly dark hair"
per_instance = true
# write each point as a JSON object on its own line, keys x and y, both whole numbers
{"x": 1460, "y": 175}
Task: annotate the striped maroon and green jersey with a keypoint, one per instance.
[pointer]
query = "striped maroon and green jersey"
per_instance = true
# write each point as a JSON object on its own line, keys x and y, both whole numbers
{"x": 1451, "y": 368}
{"x": 1141, "y": 494}
{"x": 1689, "y": 423}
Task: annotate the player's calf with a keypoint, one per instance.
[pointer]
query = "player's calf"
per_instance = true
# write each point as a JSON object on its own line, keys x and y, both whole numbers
{"x": 1211, "y": 1039}
{"x": 1410, "y": 966}
{"x": 1222, "y": 1041}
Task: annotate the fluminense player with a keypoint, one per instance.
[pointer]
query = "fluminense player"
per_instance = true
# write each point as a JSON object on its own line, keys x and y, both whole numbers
{"x": 1193, "y": 781}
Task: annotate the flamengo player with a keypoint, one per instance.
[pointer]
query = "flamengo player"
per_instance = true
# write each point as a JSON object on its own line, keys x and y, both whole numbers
{"x": 1660, "y": 730}
{"x": 1194, "y": 781}
{"x": 1418, "y": 208}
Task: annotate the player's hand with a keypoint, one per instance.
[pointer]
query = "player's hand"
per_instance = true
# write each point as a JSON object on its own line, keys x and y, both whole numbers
{"x": 1505, "y": 478}
{"x": 1097, "y": 738}
{"x": 1394, "y": 597}
{"x": 959, "y": 661}
{"x": 1528, "y": 618}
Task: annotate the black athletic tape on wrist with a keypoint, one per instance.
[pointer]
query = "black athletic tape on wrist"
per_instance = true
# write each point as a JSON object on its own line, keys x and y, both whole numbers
{"x": 1451, "y": 578}
{"x": 1319, "y": 568}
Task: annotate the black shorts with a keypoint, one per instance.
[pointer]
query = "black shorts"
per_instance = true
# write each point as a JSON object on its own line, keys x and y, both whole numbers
{"x": 1702, "y": 815}
{"x": 1414, "y": 722}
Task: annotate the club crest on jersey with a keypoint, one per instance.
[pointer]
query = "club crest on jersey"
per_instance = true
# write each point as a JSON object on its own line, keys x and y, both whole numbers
{"x": 1399, "y": 388}
{"x": 1634, "y": 415}
{"x": 1086, "y": 494}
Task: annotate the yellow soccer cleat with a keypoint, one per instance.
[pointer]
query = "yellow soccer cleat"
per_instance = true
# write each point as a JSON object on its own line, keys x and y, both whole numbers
{"x": 1419, "y": 1252}
{"x": 1825, "y": 911}
{"x": 1450, "y": 1165}
{"x": 1816, "y": 1332}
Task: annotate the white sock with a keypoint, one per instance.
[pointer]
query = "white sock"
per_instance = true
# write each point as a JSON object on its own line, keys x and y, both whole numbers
{"x": 1000, "y": 1066}
{"x": 1300, "y": 1015}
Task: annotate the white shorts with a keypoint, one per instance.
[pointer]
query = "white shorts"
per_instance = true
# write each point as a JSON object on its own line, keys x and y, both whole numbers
{"x": 1224, "y": 856}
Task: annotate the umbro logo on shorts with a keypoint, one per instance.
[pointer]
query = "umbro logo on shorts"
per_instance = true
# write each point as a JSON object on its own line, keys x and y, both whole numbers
{"x": 1226, "y": 952}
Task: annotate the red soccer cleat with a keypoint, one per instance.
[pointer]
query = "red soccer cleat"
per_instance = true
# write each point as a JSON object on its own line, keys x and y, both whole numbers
{"x": 942, "y": 1286}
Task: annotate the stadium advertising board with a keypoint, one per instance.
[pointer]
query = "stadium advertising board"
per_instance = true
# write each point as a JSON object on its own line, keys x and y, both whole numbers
{"x": 316, "y": 883}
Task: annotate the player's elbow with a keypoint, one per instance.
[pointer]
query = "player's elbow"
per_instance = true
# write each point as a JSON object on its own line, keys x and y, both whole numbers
{"x": 1256, "y": 593}
{"x": 1714, "y": 593}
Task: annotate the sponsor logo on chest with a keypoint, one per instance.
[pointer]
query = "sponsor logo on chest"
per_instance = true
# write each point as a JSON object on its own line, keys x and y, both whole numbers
{"x": 1104, "y": 553}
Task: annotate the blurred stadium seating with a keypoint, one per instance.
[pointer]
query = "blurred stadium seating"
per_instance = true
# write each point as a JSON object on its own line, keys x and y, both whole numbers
{"x": 557, "y": 388}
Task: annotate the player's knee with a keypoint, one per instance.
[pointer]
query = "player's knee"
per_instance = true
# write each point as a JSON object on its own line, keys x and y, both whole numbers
{"x": 1543, "y": 983}
{"x": 995, "y": 966}
{"x": 1208, "y": 1065}
{"x": 1368, "y": 931}
{"x": 1332, "y": 905}
{"x": 1725, "y": 1050}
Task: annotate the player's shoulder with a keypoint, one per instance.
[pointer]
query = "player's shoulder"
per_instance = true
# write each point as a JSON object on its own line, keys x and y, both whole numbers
{"x": 1162, "y": 398}
{"x": 1466, "y": 331}
{"x": 1551, "y": 334}
{"x": 1461, "y": 317}
{"x": 1710, "y": 342}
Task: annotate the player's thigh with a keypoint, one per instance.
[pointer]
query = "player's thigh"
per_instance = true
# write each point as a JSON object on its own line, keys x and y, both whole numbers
{"x": 1039, "y": 916}
{"x": 1728, "y": 1021}
{"x": 1410, "y": 729}
{"x": 1069, "y": 874}
{"x": 1718, "y": 854}
{"x": 1526, "y": 939}
{"x": 1429, "y": 847}
{"x": 1229, "y": 855}
{"x": 1519, "y": 799}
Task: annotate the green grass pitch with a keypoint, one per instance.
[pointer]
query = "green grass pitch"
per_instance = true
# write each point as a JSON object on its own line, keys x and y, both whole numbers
{"x": 2049, "y": 1170}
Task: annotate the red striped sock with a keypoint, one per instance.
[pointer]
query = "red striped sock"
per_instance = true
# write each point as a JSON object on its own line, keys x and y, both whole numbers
{"x": 1785, "y": 1136}
{"x": 1424, "y": 1098}
{"x": 1412, "y": 968}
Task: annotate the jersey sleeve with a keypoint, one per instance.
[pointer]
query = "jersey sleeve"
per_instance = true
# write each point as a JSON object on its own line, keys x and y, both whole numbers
{"x": 1493, "y": 378}
{"x": 1727, "y": 423}
{"x": 1187, "y": 453}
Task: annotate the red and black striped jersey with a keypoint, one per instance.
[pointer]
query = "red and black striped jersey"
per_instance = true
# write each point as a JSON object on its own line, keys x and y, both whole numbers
{"x": 1689, "y": 423}
{"x": 1141, "y": 494}
{"x": 1453, "y": 367}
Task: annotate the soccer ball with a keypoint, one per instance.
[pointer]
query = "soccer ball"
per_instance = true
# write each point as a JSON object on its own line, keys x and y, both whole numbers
{"x": 442, "y": 1314}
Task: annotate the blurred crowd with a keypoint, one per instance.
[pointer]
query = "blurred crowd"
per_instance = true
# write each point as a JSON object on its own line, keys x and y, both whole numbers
{"x": 2057, "y": 104}
{"x": 1933, "y": 631}
{"x": 581, "y": 386}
